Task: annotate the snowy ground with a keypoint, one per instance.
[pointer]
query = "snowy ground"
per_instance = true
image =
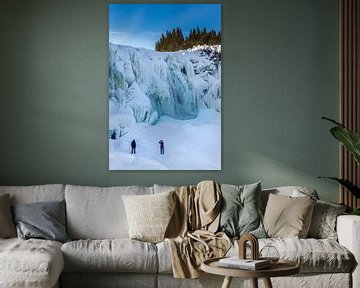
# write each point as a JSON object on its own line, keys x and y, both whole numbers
{"x": 189, "y": 145}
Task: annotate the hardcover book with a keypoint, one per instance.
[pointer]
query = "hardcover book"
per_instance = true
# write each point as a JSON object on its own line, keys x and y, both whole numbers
{"x": 249, "y": 264}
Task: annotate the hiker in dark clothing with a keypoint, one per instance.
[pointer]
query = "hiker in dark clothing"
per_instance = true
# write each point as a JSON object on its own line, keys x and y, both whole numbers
{"x": 162, "y": 151}
{"x": 133, "y": 147}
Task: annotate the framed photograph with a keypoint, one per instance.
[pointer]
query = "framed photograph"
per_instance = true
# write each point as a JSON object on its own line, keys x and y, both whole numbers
{"x": 164, "y": 86}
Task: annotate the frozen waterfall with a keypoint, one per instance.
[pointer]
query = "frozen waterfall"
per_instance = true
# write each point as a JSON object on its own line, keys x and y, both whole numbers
{"x": 145, "y": 85}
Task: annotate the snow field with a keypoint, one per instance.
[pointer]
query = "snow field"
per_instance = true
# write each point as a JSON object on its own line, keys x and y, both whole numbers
{"x": 193, "y": 144}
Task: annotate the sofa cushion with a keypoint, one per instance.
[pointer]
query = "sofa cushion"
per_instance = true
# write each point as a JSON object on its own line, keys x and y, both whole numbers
{"x": 149, "y": 215}
{"x": 323, "y": 222}
{"x": 117, "y": 255}
{"x": 36, "y": 193}
{"x": 98, "y": 213}
{"x": 43, "y": 220}
{"x": 7, "y": 226}
{"x": 163, "y": 188}
{"x": 287, "y": 216}
{"x": 164, "y": 257}
{"x": 313, "y": 255}
{"x": 109, "y": 280}
{"x": 30, "y": 263}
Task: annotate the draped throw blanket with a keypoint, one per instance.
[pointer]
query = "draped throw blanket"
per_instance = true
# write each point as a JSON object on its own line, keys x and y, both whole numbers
{"x": 191, "y": 231}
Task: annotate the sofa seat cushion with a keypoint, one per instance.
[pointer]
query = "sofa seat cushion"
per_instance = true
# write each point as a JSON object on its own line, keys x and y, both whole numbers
{"x": 115, "y": 255}
{"x": 30, "y": 263}
{"x": 164, "y": 257}
{"x": 313, "y": 255}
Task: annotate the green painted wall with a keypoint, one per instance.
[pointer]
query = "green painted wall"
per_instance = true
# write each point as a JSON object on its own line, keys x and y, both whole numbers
{"x": 280, "y": 75}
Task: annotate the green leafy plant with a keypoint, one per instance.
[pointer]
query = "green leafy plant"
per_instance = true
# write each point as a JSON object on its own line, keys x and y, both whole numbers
{"x": 351, "y": 142}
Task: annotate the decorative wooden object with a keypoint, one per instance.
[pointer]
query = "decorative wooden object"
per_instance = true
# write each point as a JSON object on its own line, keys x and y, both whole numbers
{"x": 349, "y": 91}
{"x": 254, "y": 245}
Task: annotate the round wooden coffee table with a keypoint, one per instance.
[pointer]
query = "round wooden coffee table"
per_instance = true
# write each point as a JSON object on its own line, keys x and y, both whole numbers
{"x": 281, "y": 268}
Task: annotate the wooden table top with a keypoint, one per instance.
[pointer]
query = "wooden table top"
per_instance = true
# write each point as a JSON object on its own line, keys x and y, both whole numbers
{"x": 281, "y": 268}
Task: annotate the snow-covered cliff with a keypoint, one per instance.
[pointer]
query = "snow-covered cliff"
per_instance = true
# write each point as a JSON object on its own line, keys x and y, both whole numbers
{"x": 145, "y": 85}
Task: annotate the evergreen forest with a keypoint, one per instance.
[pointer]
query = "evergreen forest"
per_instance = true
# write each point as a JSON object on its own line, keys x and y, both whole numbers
{"x": 174, "y": 40}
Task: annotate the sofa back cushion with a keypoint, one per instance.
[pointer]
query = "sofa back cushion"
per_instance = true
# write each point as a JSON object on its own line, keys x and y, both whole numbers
{"x": 163, "y": 188}
{"x": 98, "y": 212}
{"x": 36, "y": 193}
{"x": 7, "y": 226}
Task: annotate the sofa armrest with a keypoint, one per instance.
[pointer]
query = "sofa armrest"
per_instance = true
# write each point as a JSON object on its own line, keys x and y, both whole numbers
{"x": 348, "y": 230}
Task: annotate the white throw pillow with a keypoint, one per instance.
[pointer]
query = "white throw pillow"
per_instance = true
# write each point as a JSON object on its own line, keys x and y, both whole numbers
{"x": 149, "y": 215}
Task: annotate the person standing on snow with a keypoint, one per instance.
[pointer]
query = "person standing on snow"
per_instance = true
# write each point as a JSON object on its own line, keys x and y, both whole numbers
{"x": 133, "y": 146}
{"x": 162, "y": 150}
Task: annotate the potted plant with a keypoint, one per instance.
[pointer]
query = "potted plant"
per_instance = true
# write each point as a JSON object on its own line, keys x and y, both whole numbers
{"x": 351, "y": 141}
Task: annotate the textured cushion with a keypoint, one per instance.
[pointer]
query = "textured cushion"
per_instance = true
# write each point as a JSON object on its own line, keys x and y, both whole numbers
{"x": 32, "y": 263}
{"x": 109, "y": 280}
{"x": 314, "y": 280}
{"x": 313, "y": 255}
{"x": 323, "y": 222}
{"x": 164, "y": 257}
{"x": 44, "y": 220}
{"x": 149, "y": 215}
{"x": 36, "y": 193}
{"x": 240, "y": 210}
{"x": 7, "y": 227}
{"x": 287, "y": 216}
{"x": 163, "y": 188}
{"x": 98, "y": 213}
{"x": 117, "y": 255}
{"x": 348, "y": 229}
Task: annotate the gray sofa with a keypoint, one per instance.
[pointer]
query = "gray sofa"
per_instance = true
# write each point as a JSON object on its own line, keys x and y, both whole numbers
{"x": 101, "y": 254}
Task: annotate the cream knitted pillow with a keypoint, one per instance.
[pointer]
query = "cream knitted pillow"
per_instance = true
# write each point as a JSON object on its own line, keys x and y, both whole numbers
{"x": 149, "y": 215}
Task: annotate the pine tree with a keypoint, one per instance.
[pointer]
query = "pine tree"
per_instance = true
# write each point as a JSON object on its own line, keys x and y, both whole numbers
{"x": 174, "y": 39}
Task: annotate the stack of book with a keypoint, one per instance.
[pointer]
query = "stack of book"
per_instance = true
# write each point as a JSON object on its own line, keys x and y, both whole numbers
{"x": 248, "y": 264}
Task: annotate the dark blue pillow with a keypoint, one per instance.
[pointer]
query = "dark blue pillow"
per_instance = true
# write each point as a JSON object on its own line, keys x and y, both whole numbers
{"x": 43, "y": 220}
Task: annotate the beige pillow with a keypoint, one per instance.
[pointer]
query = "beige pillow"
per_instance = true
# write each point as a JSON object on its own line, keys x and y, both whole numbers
{"x": 288, "y": 217}
{"x": 7, "y": 226}
{"x": 149, "y": 215}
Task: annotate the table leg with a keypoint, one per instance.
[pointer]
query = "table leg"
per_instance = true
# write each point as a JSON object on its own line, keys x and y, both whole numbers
{"x": 227, "y": 282}
{"x": 267, "y": 283}
{"x": 254, "y": 282}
